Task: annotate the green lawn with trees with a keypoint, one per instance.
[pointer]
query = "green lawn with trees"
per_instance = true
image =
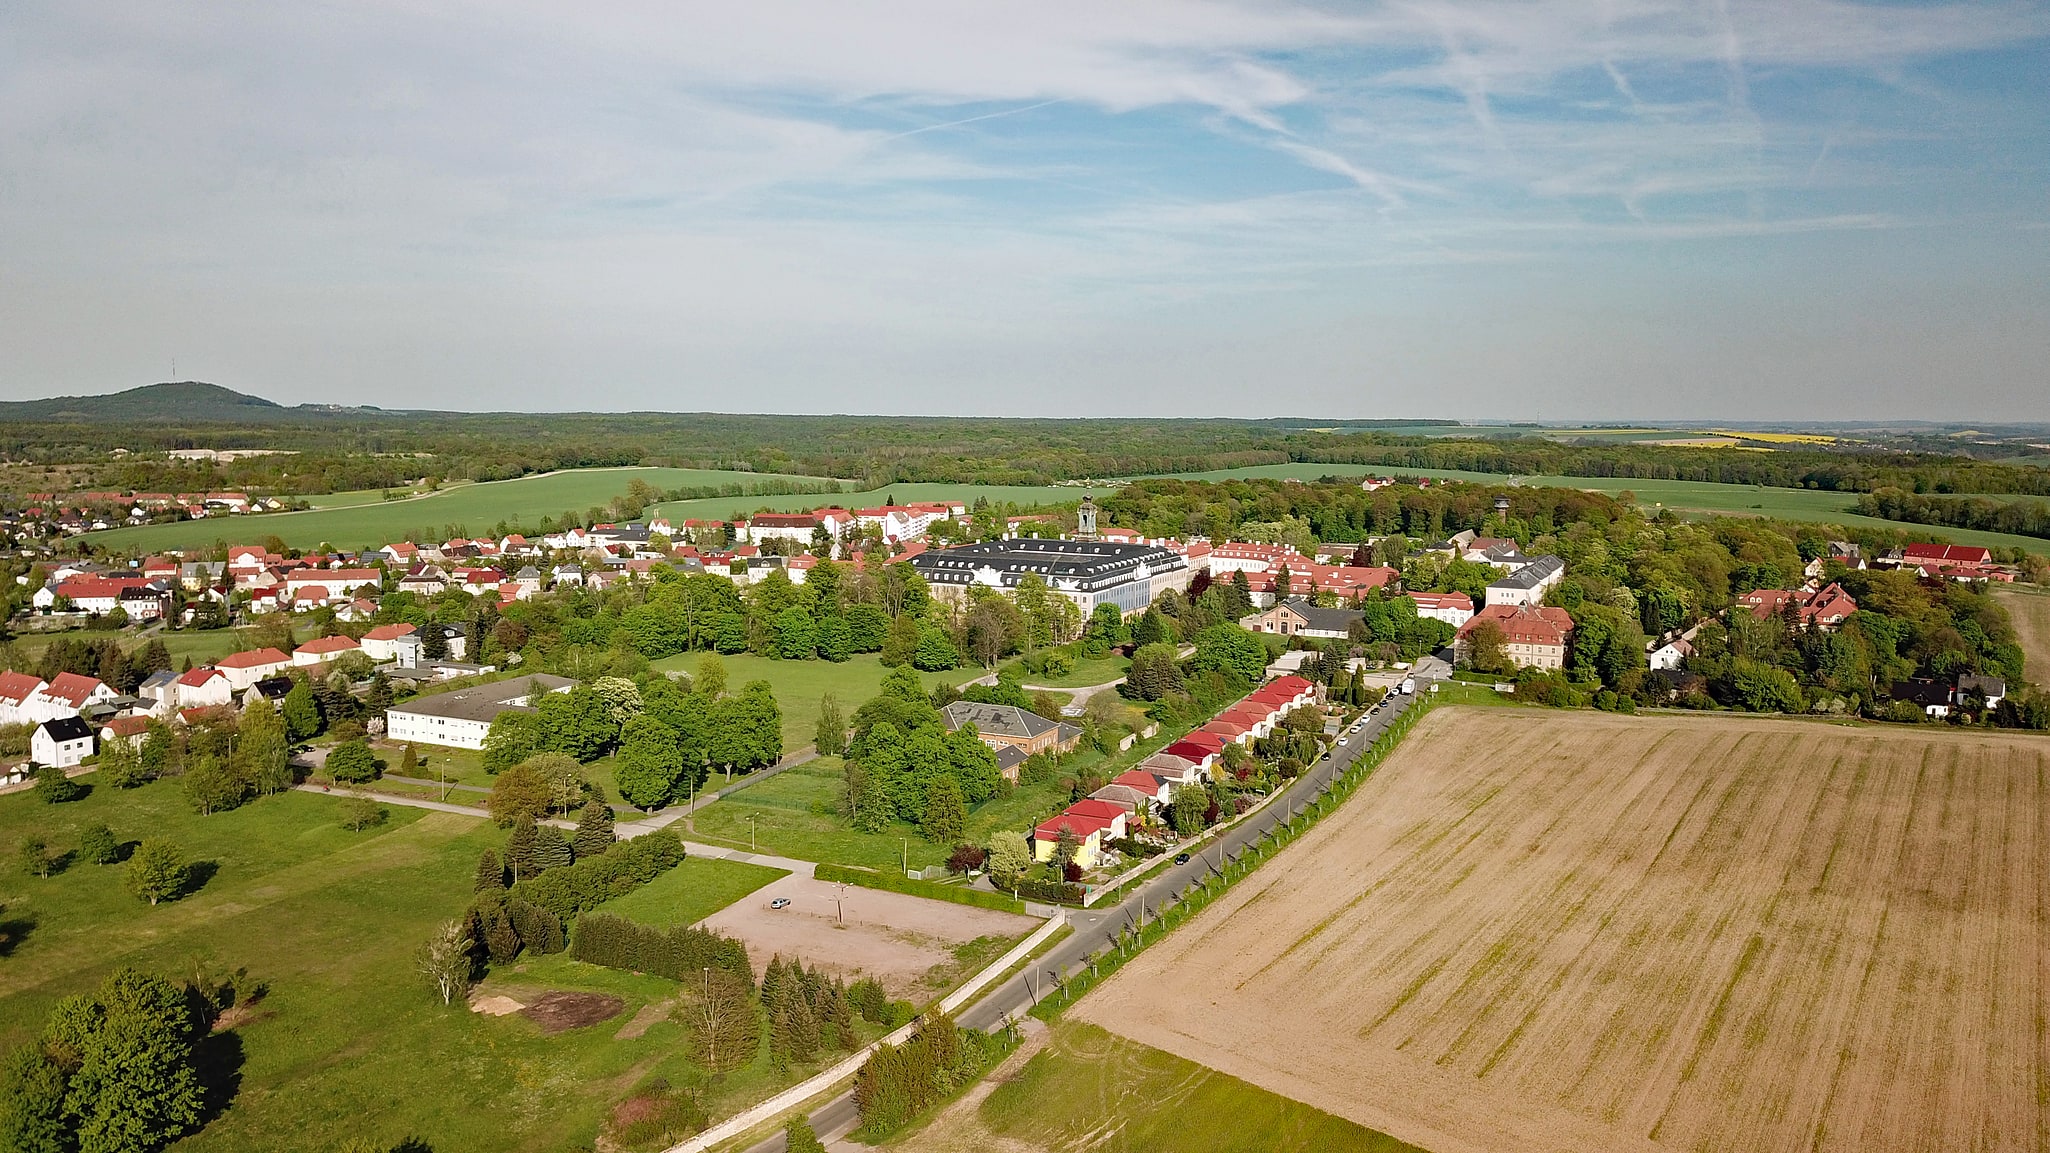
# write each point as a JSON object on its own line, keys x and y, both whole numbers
{"x": 800, "y": 685}
{"x": 691, "y": 892}
{"x": 327, "y": 920}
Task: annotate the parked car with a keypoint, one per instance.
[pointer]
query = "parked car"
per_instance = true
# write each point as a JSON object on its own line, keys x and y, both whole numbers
{"x": 780, "y": 903}
{"x": 1181, "y": 858}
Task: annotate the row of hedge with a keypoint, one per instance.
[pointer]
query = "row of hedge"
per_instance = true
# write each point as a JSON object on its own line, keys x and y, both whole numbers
{"x": 899, "y": 883}
{"x": 617, "y": 943}
{"x": 591, "y": 882}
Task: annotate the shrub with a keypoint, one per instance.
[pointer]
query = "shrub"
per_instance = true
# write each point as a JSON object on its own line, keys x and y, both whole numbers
{"x": 54, "y": 788}
{"x": 589, "y": 883}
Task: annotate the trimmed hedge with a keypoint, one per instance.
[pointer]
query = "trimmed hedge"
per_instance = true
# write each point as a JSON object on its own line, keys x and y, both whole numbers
{"x": 1059, "y": 892}
{"x": 591, "y": 882}
{"x": 683, "y": 951}
{"x": 898, "y": 883}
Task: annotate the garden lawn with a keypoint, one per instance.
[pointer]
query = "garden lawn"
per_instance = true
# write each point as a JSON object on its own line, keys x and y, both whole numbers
{"x": 1101, "y": 671}
{"x": 691, "y": 892}
{"x": 798, "y": 815}
{"x": 800, "y": 684}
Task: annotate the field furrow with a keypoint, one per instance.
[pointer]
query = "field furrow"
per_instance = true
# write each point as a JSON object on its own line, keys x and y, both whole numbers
{"x": 1546, "y": 931}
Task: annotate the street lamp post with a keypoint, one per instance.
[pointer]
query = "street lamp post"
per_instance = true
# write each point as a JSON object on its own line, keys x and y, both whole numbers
{"x": 750, "y": 832}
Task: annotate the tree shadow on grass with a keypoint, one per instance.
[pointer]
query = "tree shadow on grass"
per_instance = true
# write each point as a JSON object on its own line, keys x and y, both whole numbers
{"x": 13, "y": 930}
{"x": 197, "y": 874}
{"x": 218, "y": 1058}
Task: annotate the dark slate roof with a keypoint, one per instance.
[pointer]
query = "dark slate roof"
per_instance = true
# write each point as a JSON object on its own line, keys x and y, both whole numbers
{"x": 1323, "y": 620}
{"x": 1924, "y": 693}
{"x": 1074, "y": 565}
{"x": 996, "y": 720}
{"x": 68, "y": 729}
{"x": 1531, "y": 575}
{"x": 1983, "y": 685}
{"x": 483, "y": 702}
{"x": 1009, "y": 757}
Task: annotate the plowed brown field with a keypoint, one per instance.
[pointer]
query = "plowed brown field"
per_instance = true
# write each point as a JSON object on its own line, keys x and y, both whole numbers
{"x": 1571, "y": 931}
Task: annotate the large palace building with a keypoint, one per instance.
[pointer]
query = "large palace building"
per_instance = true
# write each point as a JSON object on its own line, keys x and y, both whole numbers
{"x": 1088, "y": 572}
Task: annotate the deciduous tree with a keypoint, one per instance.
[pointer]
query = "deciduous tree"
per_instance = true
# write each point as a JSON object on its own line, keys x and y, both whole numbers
{"x": 157, "y": 871}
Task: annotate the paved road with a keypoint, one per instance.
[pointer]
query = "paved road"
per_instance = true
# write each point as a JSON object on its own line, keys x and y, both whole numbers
{"x": 1095, "y": 930}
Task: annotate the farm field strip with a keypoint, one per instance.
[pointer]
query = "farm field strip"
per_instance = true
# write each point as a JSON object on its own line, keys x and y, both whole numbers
{"x": 1604, "y": 933}
{"x": 354, "y": 519}
{"x": 2030, "y": 612}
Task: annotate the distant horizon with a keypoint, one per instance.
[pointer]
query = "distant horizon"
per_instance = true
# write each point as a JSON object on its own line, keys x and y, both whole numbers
{"x": 1308, "y": 420}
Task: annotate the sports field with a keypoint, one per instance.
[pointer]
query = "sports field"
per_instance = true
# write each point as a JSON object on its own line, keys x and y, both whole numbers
{"x": 1570, "y": 931}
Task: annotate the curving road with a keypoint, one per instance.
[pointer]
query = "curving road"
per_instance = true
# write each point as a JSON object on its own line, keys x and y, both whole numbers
{"x": 1095, "y": 930}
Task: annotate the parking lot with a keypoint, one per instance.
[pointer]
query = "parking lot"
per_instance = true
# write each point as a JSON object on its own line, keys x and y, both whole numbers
{"x": 895, "y": 938}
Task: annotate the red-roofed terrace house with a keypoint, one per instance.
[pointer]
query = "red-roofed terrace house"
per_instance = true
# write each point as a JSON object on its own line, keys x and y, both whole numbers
{"x": 325, "y": 649}
{"x": 1092, "y": 822}
{"x": 382, "y": 642}
{"x": 246, "y": 668}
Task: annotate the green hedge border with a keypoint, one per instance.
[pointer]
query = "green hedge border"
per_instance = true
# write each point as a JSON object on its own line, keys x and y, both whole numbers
{"x": 898, "y": 883}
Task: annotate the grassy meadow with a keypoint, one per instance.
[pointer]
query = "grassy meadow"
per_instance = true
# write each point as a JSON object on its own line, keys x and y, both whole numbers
{"x": 1089, "y": 1089}
{"x": 347, "y": 1042}
{"x": 800, "y": 684}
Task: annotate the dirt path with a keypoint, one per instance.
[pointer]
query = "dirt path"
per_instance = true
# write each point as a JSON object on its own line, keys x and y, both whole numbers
{"x": 1539, "y": 931}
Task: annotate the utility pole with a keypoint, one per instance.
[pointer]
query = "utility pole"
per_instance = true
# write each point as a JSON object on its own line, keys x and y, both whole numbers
{"x": 750, "y": 832}
{"x": 840, "y": 902}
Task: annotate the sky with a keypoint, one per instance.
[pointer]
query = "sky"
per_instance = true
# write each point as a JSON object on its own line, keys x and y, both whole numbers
{"x": 1549, "y": 209}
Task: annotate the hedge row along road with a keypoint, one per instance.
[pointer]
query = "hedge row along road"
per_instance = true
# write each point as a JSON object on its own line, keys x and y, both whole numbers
{"x": 1096, "y": 930}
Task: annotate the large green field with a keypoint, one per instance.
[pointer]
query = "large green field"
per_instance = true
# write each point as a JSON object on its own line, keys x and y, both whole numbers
{"x": 1091, "y": 1090}
{"x": 362, "y": 520}
{"x": 356, "y": 520}
{"x": 800, "y": 684}
{"x": 347, "y": 1042}
{"x": 797, "y": 813}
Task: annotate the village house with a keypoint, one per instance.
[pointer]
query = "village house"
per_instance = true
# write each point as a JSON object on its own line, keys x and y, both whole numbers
{"x": 1528, "y": 584}
{"x": 246, "y": 668}
{"x": 1823, "y": 608}
{"x": 16, "y": 690}
{"x": 1454, "y": 609}
{"x": 63, "y": 742}
{"x": 1091, "y": 822}
{"x": 67, "y": 695}
{"x": 324, "y": 649}
{"x": 1007, "y": 726}
{"x": 461, "y": 719}
{"x": 1345, "y": 582}
{"x": 381, "y": 643}
{"x": 199, "y": 688}
{"x": 1297, "y": 617}
{"x": 1533, "y": 636}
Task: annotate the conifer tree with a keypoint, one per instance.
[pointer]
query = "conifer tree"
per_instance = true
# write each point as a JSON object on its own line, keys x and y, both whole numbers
{"x": 519, "y": 849}
{"x": 594, "y": 831}
{"x": 551, "y": 849}
{"x": 490, "y": 872}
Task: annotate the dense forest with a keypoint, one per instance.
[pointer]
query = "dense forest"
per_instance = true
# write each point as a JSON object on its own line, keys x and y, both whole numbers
{"x": 2022, "y": 517}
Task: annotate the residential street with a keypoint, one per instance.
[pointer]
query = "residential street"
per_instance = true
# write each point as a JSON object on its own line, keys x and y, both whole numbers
{"x": 1094, "y": 930}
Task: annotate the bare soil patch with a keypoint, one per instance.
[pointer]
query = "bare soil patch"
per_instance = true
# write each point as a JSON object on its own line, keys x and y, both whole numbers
{"x": 892, "y": 937}
{"x": 1568, "y": 931}
{"x": 559, "y": 1010}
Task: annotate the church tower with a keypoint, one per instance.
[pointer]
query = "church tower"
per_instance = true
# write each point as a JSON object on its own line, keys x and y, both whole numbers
{"x": 1085, "y": 520}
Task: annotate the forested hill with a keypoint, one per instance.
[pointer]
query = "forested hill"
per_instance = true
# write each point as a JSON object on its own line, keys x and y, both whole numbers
{"x": 185, "y": 400}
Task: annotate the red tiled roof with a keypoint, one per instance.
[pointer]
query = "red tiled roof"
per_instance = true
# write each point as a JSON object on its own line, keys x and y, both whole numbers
{"x": 193, "y": 678}
{"x": 1963, "y": 553}
{"x": 127, "y": 726}
{"x": 253, "y": 658}
{"x": 1078, "y": 823}
{"x": 1442, "y": 601}
{"x": 17, "y": 687}
{"x": 389, "y": 632}
{"x": 335, "y": 644}
{"x": 1525, "y": 624}
{"x": 72, "y": 688}
{"x": 1137, "y": 780}
{"x": 310, "y": 593}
